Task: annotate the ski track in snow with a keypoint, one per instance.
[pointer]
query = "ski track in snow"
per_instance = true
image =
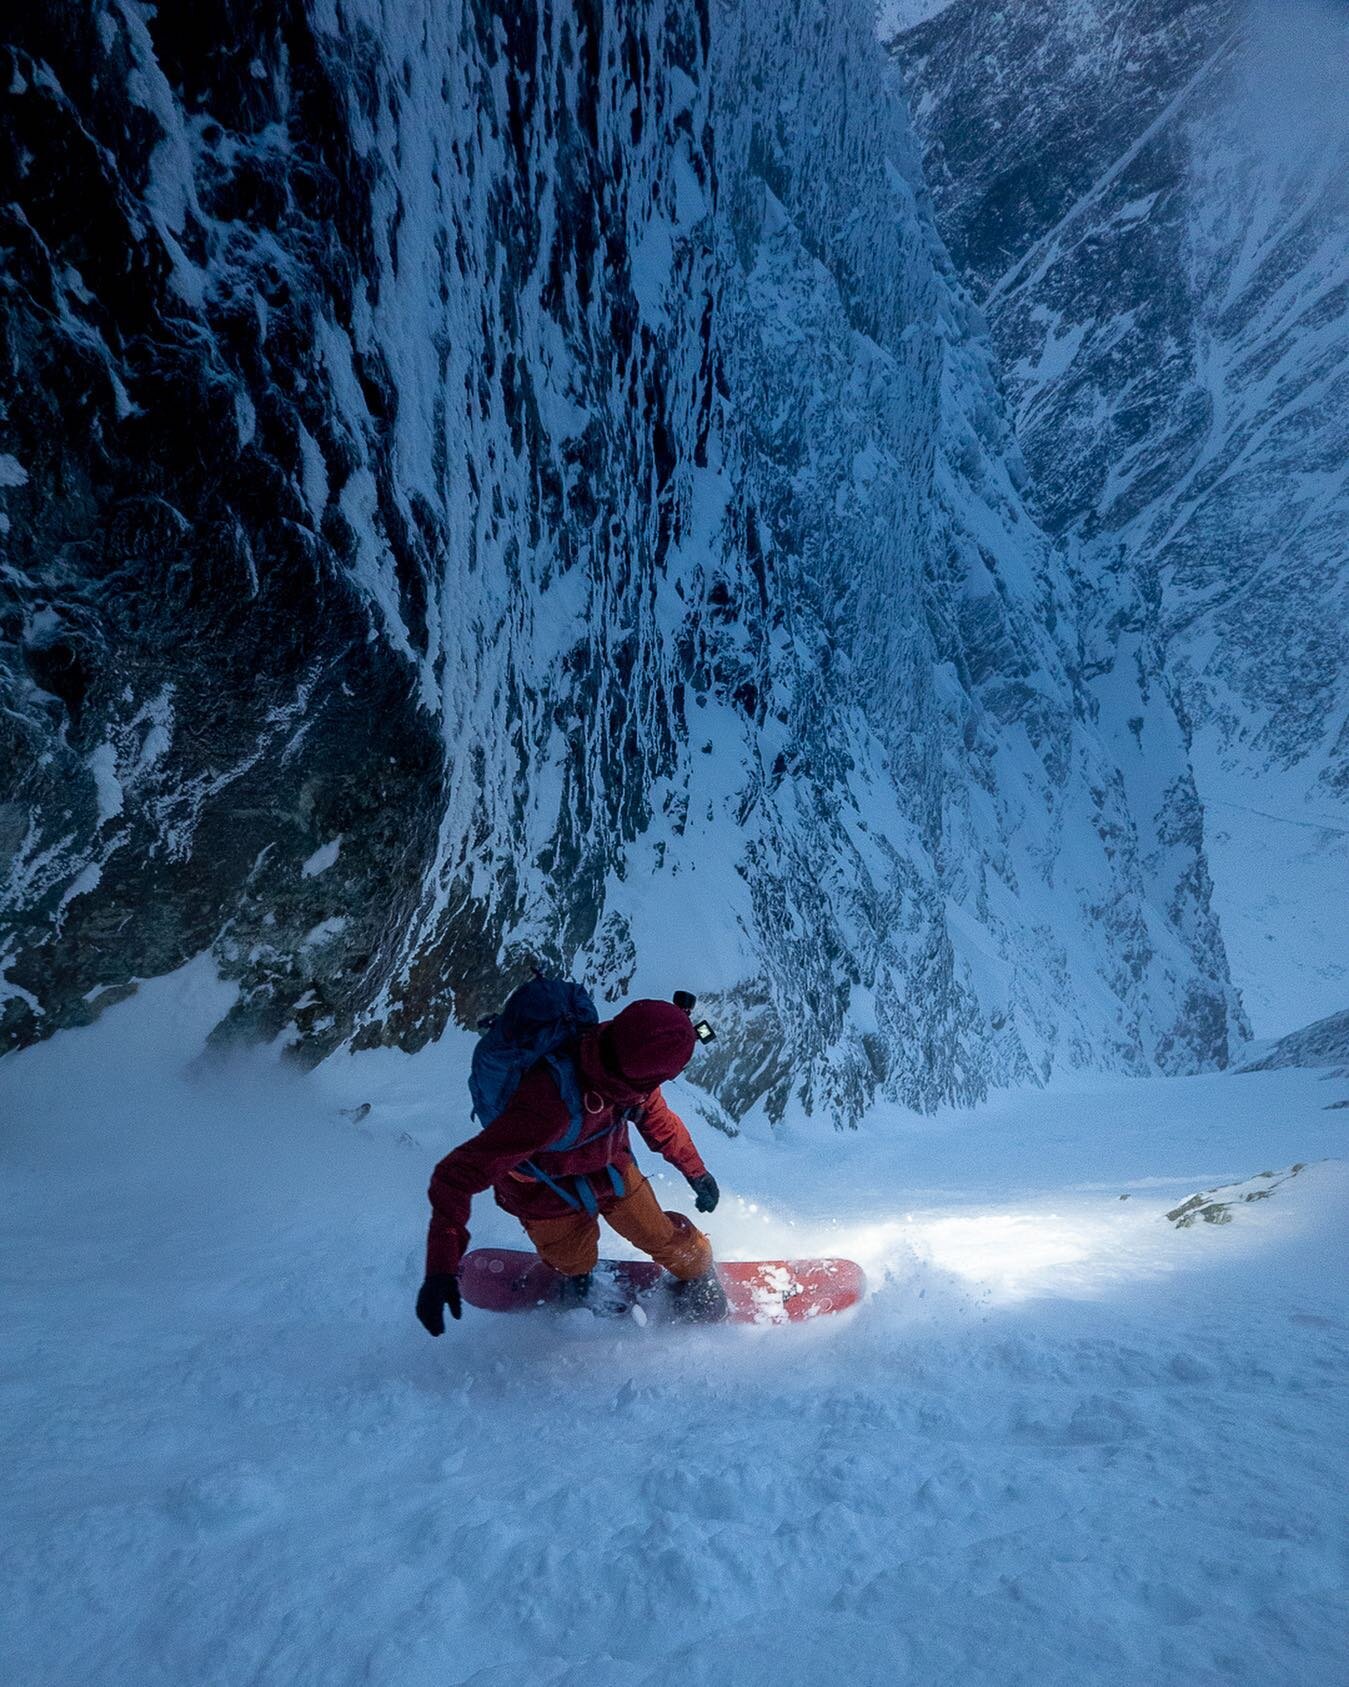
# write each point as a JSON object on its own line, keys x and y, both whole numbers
{"x": 1062, "y": 1442}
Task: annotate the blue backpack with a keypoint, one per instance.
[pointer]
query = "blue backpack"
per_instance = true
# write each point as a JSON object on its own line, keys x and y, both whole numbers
{"x": 540, "y": 1022}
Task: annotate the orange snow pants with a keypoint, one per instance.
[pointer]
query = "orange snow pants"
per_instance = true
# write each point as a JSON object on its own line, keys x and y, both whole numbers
{"x": 571, "y": 1245}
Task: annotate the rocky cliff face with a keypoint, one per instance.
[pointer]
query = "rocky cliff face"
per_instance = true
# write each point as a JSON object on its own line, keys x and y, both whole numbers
{"x": 1148, "y": 202}
{"x": 510, "y": 483}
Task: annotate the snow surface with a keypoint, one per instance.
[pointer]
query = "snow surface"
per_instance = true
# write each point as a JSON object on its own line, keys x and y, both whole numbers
{"x": 1279, "y": 851}
{"x": 892, "y": 16}
{"x": 321, "y": 859}
{"x": 1063, "y": 1441}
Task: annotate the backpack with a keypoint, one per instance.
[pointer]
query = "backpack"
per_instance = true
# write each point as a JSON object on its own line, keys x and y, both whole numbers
{"x": 540, "y": 1022}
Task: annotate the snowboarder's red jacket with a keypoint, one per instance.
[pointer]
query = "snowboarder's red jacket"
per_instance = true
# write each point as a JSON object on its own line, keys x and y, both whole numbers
{"x": 536, "y": 1116}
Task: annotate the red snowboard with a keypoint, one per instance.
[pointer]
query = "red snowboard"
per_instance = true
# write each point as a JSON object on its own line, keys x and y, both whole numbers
{"x": 761, "y": 1291}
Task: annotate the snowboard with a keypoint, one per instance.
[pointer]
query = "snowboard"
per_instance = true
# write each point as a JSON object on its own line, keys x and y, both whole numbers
{"x": 761, "y": 1291}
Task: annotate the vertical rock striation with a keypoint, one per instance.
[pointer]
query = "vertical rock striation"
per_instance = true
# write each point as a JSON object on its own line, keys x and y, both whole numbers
{"x": 526, "y": 482}
{"x": 1148, "y": 202}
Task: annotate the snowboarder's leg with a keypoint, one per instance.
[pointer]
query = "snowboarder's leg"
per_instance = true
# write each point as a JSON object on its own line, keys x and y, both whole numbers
{"x": 669, "y": 1238}
{"x": 677, "y": 1244}
{"x": 570, "y": 1245}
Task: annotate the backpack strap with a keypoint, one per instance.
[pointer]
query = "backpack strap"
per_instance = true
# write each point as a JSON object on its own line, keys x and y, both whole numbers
{"x": 584, "y": 1200}
{"x": 562, "y": 1194}
{"x": 568, "y": 1080}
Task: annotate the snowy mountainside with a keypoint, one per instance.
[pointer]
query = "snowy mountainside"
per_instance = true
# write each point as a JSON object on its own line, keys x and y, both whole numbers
{"x": 1148, "y": 202}
{"x": 619, "y": 529}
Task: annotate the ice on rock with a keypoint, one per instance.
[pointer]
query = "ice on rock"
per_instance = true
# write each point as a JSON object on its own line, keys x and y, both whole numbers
{"x": 582, "y": 486}
{"x": 1159, "y": 240}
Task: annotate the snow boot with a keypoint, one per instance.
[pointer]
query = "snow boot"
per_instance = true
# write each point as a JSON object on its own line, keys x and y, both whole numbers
{"x": 574, "y": 1291}
{"x": 598, "y": 1291}
{"x": 699, "y": 1300}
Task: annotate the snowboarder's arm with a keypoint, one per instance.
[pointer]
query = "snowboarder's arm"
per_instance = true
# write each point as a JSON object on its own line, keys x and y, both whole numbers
{"x": 663, "y": 1130}
{"x": 534, "y": 1117}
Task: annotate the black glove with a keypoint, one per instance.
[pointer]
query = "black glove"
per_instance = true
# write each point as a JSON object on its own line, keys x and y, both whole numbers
{"x": 705, "y": 1188}
{"x": 435, "y": 1294}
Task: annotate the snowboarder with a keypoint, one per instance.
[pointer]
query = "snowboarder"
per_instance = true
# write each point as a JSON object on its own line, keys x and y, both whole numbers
{"x": 560, "y": 1195}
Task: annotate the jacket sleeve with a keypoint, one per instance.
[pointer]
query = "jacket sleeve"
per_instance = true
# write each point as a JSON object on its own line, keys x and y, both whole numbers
{"x": 534, "y": 1117}
{"x": 663, "y": 1130}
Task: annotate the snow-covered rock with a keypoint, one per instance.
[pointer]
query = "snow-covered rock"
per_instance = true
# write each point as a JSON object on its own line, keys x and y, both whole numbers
{"x": 1219, "y": 1206}
{"x": 1147, "y": 200}
{"x": 551, "y": 453}
{"x": 1326, "y": 1043}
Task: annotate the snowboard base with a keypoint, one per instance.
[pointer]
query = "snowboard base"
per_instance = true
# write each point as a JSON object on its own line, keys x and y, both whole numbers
{"x": 761, "y": 1291}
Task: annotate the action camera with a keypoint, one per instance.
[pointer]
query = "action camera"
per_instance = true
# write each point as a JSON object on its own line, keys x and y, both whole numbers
{"x": 701, "y": 1029}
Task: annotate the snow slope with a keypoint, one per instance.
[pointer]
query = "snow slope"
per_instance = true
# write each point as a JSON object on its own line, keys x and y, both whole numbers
{"x": 1063, "y": 1442}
